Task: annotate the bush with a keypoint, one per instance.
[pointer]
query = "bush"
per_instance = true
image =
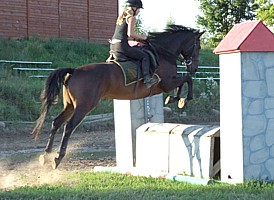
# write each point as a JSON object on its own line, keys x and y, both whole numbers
{"x": 204, "y": 106}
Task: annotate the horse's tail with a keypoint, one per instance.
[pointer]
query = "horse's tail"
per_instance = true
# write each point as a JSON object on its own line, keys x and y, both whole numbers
{"x": 49, "y": 95}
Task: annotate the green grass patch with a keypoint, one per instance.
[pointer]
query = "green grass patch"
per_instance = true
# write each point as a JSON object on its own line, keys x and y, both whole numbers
{"x": 89, "y": 185}
{"x": 62, "y": 52}
{"x": 19, "y": 94}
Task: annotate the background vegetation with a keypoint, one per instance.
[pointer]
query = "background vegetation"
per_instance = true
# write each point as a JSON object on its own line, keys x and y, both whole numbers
{"x": 19, "y": 94}
{"x": 219, "y": 16}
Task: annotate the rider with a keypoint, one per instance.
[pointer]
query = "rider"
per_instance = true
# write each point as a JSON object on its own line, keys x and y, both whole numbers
{"x": 125, "y": 26}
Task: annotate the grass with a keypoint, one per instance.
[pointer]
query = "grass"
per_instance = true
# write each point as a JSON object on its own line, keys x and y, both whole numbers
{"x": 62, "y": 52}
{"x": 89, "y": 185}
{"x": 20, "y": 94}
{"x": 102, "y": 185}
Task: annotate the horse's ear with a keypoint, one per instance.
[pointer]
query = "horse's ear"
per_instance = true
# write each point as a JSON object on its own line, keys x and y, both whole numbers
{"x": 200, "y": 33}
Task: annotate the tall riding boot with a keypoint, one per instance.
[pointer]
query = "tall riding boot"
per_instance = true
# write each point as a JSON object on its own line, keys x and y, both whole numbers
{"x": 148, "y": 80}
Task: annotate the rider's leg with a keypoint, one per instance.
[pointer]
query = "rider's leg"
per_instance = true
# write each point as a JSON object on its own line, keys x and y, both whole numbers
{"x": 136, "y": 54}
{"x": 148, "y": 80}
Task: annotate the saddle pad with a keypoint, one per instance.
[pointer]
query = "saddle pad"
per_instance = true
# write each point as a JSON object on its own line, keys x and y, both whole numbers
{"x": 129, "y": 69}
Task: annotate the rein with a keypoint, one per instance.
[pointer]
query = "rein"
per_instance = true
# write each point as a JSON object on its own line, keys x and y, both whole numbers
{"x": 170, "y": 54}
{"x": 180, "y": 57}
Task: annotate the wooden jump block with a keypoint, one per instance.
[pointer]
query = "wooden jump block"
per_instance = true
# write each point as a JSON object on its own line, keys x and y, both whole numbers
{"x": 178, "y": 149}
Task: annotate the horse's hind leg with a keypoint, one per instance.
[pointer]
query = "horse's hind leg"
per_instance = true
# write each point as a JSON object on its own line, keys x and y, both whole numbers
{"x": 56, "y": 124}
{"x": 75, "y": 120}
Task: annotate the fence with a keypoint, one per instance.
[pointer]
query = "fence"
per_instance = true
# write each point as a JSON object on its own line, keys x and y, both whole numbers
{"x": 22, "y": 67}
{"x": 203, "y": 73}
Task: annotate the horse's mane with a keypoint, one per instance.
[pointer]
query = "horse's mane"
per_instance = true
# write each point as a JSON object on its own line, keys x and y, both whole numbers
{"x": 171, "y": 29}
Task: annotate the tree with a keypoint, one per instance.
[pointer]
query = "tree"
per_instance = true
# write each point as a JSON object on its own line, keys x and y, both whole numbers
{"x": 170, "y": 21}
{"x": 139, "y": 28}
{"x": 219, "y": 16}
{"x": 266, "y": 12}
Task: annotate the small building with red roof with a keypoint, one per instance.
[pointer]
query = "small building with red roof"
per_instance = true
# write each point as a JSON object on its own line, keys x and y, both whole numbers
{"x": 251, "y": 36}
{"x": 247, "y": 102}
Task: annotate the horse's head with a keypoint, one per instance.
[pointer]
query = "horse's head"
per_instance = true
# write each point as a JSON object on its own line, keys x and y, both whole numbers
{"x": 190, "y": 52}
{"x": 181, "y": 43}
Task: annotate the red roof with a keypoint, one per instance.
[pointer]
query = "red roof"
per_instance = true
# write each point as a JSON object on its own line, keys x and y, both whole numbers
{"x": 251, "y": 36}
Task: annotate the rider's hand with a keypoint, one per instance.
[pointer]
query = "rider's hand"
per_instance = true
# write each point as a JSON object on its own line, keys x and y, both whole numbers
{"x": 143, "y": 36}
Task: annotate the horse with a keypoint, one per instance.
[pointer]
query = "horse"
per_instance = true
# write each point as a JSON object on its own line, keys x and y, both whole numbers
{"x": 84, "y": 86}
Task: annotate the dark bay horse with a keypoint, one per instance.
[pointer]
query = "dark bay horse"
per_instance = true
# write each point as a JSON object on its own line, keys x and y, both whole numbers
{"x": 84, "y": 86}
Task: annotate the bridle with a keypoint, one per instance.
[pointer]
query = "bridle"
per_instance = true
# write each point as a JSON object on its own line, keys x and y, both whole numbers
{"x": 181, "y": 57}
{"x": 188, "y": 61}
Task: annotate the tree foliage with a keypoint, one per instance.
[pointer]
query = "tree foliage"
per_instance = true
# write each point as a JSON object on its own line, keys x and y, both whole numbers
{"x": 219, "y": 16}
{"x": 170, "y": 21}
{"x": 266, "y": 12}
{"x": 139, "y": 27}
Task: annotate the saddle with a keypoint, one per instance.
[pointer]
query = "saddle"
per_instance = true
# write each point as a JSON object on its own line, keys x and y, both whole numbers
{"x": 132, "y": 68}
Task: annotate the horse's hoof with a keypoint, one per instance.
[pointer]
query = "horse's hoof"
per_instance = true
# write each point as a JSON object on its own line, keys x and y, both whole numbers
{"x": 181, "y": 102}
{"x": 55, "y": 163}
{"x": 170, "y": 99}
{"x": 42, "y": 159}
{"x": 167, "y": 101}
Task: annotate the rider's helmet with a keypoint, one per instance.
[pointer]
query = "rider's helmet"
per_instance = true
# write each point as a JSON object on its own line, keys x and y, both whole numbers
{"x": 134, "y": 3}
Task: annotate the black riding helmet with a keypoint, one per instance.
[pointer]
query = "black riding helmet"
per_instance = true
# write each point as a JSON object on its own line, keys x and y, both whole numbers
{"x": 134, "y": 3}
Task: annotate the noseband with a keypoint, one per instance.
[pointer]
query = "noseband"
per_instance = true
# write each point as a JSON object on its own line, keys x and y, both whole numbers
{"x": 189, "y": 60}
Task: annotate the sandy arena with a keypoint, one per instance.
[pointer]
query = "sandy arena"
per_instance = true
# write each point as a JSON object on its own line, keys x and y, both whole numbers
{"x": 19, "y": 154}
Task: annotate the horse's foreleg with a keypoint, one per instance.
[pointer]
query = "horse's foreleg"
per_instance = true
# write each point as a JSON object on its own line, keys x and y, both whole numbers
{"x": 190, "y": 88}
{"x": 179, "y": 82}
{"x": 188, "y": 80}
{"x": 183, "y": 101}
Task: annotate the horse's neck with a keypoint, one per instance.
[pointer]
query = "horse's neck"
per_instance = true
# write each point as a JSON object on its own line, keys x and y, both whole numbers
{"x": 175, "y": 44}
{"x": 173, "y": 48}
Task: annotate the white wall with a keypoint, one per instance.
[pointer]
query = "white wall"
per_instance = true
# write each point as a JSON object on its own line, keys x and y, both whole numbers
{"x": 231, "y": 118}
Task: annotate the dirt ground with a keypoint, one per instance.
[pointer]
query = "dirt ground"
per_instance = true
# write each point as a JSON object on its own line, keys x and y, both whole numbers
{"x": 19, "y": 154}
{"x": 88, "y": 147}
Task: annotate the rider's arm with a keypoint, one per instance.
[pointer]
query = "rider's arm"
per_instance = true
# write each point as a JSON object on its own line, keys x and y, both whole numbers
{"x": 130, "y": 31}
